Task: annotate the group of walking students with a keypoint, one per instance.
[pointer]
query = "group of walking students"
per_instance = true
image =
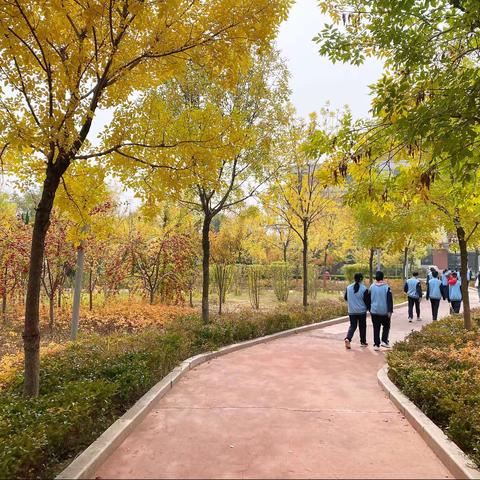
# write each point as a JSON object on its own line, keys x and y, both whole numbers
{"x": 378, "y": 300}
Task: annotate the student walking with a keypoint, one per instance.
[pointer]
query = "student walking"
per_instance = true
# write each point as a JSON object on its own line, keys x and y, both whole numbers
{"x": 455, "y": 292}
{"x": 381, "y": 308}
{"x": 477, "y": 285}
{"x": 445, "y": 277}
{"x": 469, "y": 274}
{"x": 413, "y": 289}
{"x": 430, "y": 274}
{"x": 434, "y": 294}
{"x": 357, "y": 297}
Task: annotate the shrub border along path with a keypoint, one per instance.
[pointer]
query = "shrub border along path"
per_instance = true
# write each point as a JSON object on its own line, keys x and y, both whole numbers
{"x": 449, "y": 453}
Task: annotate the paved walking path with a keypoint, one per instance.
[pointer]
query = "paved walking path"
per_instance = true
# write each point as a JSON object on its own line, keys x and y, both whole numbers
{"x": 297, "y": 407}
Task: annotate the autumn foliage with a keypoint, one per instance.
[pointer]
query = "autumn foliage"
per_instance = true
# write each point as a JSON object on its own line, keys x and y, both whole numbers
{"x": 437, "y": 369}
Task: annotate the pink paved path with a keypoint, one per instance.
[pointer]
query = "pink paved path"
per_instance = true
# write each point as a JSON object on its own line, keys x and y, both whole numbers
{"x": 297, "y": 407}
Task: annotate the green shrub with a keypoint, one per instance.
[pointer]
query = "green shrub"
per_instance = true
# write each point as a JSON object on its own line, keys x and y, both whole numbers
{"x": 350, "y": 270}
{"x": 222, "y": 278}
{"x": 438, "y": 368}
{"x": 254, "y": 275}
{"x": 90, "y": 383}
{"x": 281, "y": 273}
{"x": 313, "y": 281}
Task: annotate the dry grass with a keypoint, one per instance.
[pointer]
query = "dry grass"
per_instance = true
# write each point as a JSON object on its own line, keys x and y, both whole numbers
{"x": 117, "y": 316}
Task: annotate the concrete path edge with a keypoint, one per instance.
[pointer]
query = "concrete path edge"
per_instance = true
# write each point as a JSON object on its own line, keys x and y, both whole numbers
{"x": 87, "y": 462}
{"x": 459, "y": 464}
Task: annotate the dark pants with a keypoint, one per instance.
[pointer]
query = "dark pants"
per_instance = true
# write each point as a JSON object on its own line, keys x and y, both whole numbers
{"x": 378, "y": 322}
{"x": 411, "y": 303}
{"x": 359, "y": 319}
{"x": 435, "y": 304}
{"x": 444, "y": 291}
{"x": 456, "y": 305}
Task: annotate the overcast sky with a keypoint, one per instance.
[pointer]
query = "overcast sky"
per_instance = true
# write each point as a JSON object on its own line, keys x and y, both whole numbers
{"x": 315, "y": 80}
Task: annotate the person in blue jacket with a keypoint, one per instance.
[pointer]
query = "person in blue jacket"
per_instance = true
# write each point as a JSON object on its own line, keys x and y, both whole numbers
{"x": 434, "y": 293}
{"x": 477, "y": 285}
{"x": 455, "y": 292}
{"x": 445, "y": 276}
{"x": 357, "y": 297}
{"x": 413, "y": 289}
{"x": 381, "y": 309}
{"x": 430, "y": 274}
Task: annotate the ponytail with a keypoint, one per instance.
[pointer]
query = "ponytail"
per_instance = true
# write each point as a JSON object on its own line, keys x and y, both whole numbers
{"x": 358, "y": 278}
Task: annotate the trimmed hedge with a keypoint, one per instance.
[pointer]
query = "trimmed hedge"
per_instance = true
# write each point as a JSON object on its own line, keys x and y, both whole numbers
{"x": 350, "y": 270}
{"x": 90, "y": 383}
{"x": 438, "y": 368}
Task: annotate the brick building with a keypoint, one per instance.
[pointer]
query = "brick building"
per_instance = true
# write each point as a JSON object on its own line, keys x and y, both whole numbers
{"x": 444, "y": 258}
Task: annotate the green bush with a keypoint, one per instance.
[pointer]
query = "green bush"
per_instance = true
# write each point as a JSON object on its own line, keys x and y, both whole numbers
{"x": 351, "y": 269}
{"x": 90, "y": 383}
{"x": 438, "y": 368}
{"x": 281, "y": 273}
{"x": 254, "y": 275}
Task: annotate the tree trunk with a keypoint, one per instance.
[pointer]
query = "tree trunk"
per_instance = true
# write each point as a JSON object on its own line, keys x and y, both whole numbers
{"x": 31, "y": 333}
{"x": 370, "y": 265}
{"x": 51, "y": 312}
{"x": 90, "y": 291}
{"x": 305, "y": 264}
{"x": 77, "y": 292}
{"x": 59, "y": 298}
{"x": 285, "y": 251}
{"x": 191, "y": 297}
{"x": 152, "y": 296}
{"x": 4, "y": 306}
{"x": 467, "y": 320}
{"x": 405, "y": 261}
{"x": 206, "y": 267}
{"x": 4, "y": 295}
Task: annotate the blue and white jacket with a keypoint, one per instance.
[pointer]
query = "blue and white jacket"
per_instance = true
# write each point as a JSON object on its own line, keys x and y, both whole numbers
{"x": 381, "y": 299}
{"x": 433, "y": 289}
{"x": 455, "y": 292}
{"x": 413, "y": 288}
{"x": 358, "y": 302}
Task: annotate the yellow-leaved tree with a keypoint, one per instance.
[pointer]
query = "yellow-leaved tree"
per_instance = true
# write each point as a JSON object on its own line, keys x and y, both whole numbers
{"x": 86, "y": 200}
{"x": 221, "y": 140}
{"x": 63, "y": 60}
{"x": 299, "y": 196}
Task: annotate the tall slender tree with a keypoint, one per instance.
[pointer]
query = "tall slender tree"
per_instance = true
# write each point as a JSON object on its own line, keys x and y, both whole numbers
{"x": 234, "y": 127}
{"x": 299, "y": 196}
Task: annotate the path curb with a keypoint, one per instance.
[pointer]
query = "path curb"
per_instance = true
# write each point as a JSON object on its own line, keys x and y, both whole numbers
{"x": 87, "y": 462}
{"x": 447, "y": 451}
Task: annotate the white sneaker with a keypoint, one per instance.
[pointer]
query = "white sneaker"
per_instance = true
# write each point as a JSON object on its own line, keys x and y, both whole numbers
{"x": 419, "y": 319}
{"x": 385, "y": 344}
{"x": 376, "y": 348}
{"x": 410, "y": 320}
